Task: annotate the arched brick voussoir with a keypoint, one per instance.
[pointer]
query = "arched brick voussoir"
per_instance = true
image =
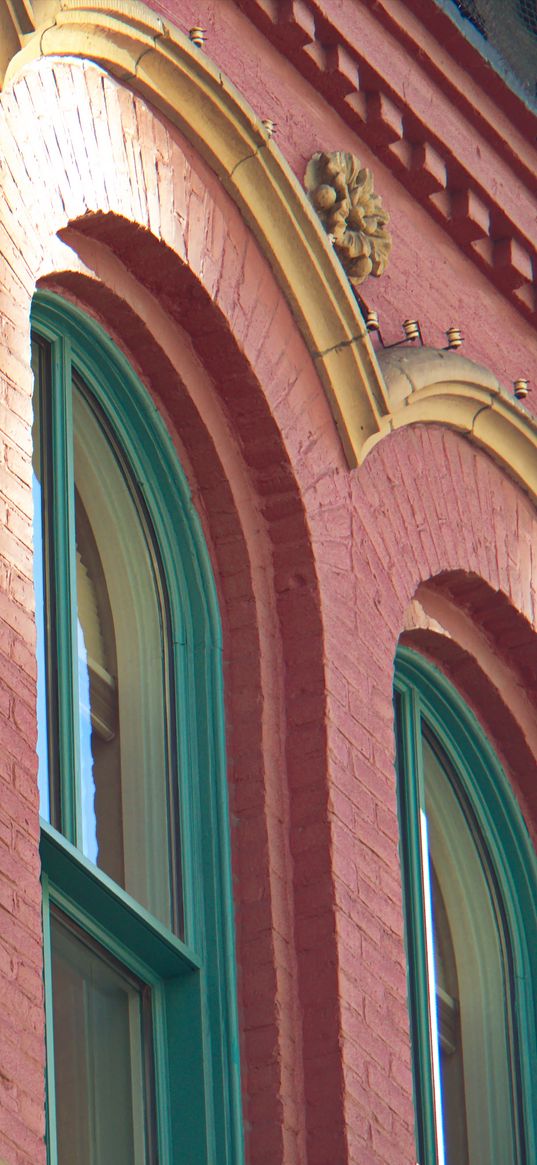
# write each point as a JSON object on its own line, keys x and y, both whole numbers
{"x": 488, "y": 650}
{"x": 426, "y": 509}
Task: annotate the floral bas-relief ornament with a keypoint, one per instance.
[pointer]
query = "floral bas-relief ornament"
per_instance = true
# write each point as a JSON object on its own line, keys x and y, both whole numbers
{"x": 352, "y": 214}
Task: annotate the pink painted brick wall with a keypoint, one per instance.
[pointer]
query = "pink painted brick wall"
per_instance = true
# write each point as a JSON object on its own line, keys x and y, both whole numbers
{"x": 21, "y": 991}
{"x": 315, "y": 567}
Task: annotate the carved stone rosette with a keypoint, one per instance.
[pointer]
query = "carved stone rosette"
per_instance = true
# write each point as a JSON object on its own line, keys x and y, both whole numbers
{"x": 352, "y": 215}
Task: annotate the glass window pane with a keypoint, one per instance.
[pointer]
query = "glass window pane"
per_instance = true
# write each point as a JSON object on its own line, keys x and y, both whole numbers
{"x": 125, "y": 791}
{"x": 450, "y": 1043}
{"x": 470, "y": 977}
{"x": 39, "y": 586}
{"x": 103, "y": 1097}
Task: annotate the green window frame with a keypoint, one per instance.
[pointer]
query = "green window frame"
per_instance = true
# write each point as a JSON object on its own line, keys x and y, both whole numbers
{"x": 462, "y": 831}
{"x": 188, "y": 969}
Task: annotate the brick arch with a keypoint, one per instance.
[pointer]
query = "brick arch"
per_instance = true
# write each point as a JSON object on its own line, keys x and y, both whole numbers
{"x": 97, "y": 219}
{"x": 426, "y": 505}
{"x": 431, "y": 386}
{"x": 467, "y": 641}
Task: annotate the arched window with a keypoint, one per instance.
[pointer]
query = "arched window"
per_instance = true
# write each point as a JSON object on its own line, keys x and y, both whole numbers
{"x": 142, "y": 1047}
{"x": 470, "y": 898}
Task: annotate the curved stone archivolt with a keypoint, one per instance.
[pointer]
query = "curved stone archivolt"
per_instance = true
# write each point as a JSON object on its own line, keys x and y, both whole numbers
{"x": 479, "y": 636}
{"x": 159, "y": 62}
{"x": 162, "y": 65}
{"x": 428, "y": 386}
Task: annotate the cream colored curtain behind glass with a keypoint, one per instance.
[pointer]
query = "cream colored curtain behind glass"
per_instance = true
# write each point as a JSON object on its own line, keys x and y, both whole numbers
{"x": 122, "y": 716}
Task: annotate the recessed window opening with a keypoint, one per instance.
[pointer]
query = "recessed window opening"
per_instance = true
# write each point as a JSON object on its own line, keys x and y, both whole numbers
{"x": 142, "y": 1063}
{"x": 464, "y": 850}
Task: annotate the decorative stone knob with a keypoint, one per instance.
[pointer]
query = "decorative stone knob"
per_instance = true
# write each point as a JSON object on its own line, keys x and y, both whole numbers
{"x": 198, "y": 36}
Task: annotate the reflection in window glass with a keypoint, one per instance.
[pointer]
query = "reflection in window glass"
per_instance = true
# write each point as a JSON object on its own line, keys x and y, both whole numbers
{"x": 101, "y": 1025}
{"x": 89, "y": 821}
{"x": 121, "y": 675}
{"x": 468, "y": 980}
{"x": 449, "y": 1034}
{"x": 108, "y": 790}
{"x": 39, "y": 590}
{"x": 430, "y": 945}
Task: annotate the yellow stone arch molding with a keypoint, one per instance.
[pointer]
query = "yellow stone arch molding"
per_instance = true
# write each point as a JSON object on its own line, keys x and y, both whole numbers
{"x": 427, "y": 386}
{"x": 158, "y": 61}
{"x": 369, "y": 397}
{"x": 17, "y": 21}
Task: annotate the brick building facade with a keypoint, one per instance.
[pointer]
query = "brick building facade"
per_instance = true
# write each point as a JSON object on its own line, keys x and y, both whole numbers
{"x": 308, "y": 500}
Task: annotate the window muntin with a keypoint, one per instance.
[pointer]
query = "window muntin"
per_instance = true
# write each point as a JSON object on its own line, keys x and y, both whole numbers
{"x": 114, "y": 781}
{"x": 472, "y": 1051}
{"x": 190, "y": 1047}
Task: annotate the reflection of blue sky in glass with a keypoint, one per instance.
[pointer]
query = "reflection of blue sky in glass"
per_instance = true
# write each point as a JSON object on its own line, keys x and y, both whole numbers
{"x": 42, "y": 750}
{"x": 431, "y": 974}
{"x": 89, "y": 823}
{"x": 87, "y": 797}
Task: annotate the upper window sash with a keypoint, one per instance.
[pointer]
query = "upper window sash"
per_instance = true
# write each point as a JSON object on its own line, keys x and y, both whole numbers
{"x": 411, "y": 800}
{"x": 58, "y": 536}
{"x": 424, "y": 697}
{"x": 133, "y": 833}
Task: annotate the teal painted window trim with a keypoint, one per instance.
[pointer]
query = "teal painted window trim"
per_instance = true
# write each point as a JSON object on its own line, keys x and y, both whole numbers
{"x": 193, "y": 983}
{"x": 427, "y": 704}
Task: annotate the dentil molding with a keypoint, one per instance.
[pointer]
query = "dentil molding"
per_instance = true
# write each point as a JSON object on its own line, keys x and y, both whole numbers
{"x": 406, "y": 80}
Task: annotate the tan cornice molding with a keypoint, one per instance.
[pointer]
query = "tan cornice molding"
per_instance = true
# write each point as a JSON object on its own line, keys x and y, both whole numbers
{"x": 484, "y": 198}
{"x": 159, "y": 62}
{"x": 427, "y": 386}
